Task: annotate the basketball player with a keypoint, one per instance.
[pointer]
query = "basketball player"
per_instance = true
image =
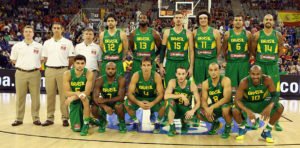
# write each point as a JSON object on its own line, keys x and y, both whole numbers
{"x": 267, "y": 46}
{"x": 253, "y": 97}
{"x": 58, "y": 54}
{"x": 111, "y": 88}
{"x": 114, "y": 45}
{"x": 26, "y": 56}
{"x": 180, "y": 50}
{"x": 207, "y": 47}
{"x": 142, "y": 42}
{"x": 179, "y": 95}
{"x": 146, "y": 91}
{"x": 77, "y": 88}
{"x": 218, "y": 89}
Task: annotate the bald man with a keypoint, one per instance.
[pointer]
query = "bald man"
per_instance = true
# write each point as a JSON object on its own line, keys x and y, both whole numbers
{"x": 218, "y": 89}
{"x": 257, "y": 94}
{"x": 267, "y": 46}
{"x": 108, "y": 96}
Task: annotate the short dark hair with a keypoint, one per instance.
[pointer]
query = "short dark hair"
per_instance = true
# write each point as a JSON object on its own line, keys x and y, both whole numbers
{"x": 28, "y": 26}
{"x": 203, "y": 12}
{"x": 88, "y": 29}
{"x": 146, "y": 59}
{"x": 238, "y": 15}
{"x": 79, "y": 57}
{"x": 57, "y": 23}
{"x": 110, "y": 15}
{"x": 181, "y": 67}
{"x": 177, "y": 12}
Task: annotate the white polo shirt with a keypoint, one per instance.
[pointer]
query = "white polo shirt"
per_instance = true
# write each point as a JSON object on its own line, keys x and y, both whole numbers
{"x": 57, "y": 52}
{"x": 27, "y": 56}
{"x": 91, "y": 52}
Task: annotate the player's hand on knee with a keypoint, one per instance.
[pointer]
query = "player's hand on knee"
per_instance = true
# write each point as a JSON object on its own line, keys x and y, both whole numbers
{"x": 265, "y": 114}
{"x": 251, "y": 116}
{"x": 108, "y": 110}
{"x": 69, "y": 100}
{"x": 189, "y": 114}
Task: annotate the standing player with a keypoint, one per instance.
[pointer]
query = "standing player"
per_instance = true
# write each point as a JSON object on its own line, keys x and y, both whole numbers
{"x": 114, "y": 45}
{"x": 146, "y": 91}
{"x": 77, "y": 87}
{"x": 252, "y": 97}
{"x": 179, "y": 95}
{"x": 180, "y": 50}
{"x": 218, "y": 89}
{"x": 26, "y": 56}
{"x": 207, "y": 47}
{"x": 58, "y": 54}
{"x": 111, "y": 88}
{"x": 267, "y": 45}
{"x": 142, "y": 42}
{"x": 236, "y": 52}
{"x": 90, "y": 50}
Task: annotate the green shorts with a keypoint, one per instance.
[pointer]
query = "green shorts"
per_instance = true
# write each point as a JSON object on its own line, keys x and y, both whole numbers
{"x": 76, "y": 115}
{"x": 120, "y": 68}
{"x": 201, "y": 69}
{"x": 178, "y": 109}
{"x": 154, "y": 108}
{"x": 258, "y": 107}
{"x": 171, "y": 66}
{"x": 136, "y": 66}
{"x": 217, "y": 111}
{"x": 236, "y": 71}
{"x": 272, "y": 70}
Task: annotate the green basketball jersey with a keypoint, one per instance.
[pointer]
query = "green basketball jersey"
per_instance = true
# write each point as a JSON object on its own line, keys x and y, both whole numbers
{"x": 267, "y": 47}
{"x": 185, "y": 91}
{"x": 205, "y": 44}
{"x": 113, "y": 47}
{"x": 177, "y": 45}
{"x": 237, "y": 46}
{"x": 144, "y": 44}
{"x": 78, "y": 83}
{"x": 256, "y": 93}
{"x": 110, "y": 90}
{"x": 215, "y": 93}
{"x": 146, "y": 89}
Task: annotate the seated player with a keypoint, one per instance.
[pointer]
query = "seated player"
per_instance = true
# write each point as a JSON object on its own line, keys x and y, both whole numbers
{"x": 146, "y": 92}
{"x": 218, "y": 89}
{"x": 257, "y": 94}
{"x": 111, "y": 88}
{"x": 77, "y": 87}
{"x": 179, "y": 95}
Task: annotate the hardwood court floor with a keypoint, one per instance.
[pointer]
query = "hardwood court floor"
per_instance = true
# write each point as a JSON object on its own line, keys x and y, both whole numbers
{"x": 28, "y": 135}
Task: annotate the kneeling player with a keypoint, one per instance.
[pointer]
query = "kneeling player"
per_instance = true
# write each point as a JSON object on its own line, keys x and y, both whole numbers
{"x": 179, "y": 100}
{"x": 218, "y": 89}
{"x": 146, "y": 92}
{"x": 252, "y": 97}
{"x": 77, "y": 87}
{"x": 111, "y": 88}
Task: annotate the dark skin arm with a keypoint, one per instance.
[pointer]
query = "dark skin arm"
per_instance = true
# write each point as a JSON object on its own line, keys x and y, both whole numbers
{"x": 225, "y": 44}
{"x": 131, "y": 41}
{"x": 280, "y": 44}
{"x": 157, "y": 40}
{"x": 254, "y": 44}
{"x": 271, "y": 88}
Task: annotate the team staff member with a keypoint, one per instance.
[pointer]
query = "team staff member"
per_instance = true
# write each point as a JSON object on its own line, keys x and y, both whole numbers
{"x": 58, "y": 53}
{"x": 26, "y": 56}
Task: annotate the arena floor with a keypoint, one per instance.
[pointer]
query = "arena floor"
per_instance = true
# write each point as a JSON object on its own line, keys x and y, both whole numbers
{"x": 28, "y": 135}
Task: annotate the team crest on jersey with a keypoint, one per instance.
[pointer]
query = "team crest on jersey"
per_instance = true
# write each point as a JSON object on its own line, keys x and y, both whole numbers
{"x": 63, "y": 47}
{"x": 93, "y": 52}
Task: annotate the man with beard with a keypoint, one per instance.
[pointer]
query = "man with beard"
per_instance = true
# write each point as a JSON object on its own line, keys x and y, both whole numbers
{"x": 207, "y": 47}
{"x": 142, "y": 42}
{"x": 146, "y": 91}
{"x": 111, "y": 88}
{"x": 218, "y": 89}
{"x": 77, "y": 88}
{"x": 267, "y": 46}
{"x": 257, "y": 94}
{"x": 114, "y": 45}
{"x": 179, "y": 95}
{"x": 180, "y": 50}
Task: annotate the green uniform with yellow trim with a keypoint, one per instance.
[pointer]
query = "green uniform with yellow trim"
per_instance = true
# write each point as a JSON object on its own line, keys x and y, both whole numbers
{"x": 112, "y": 51}
{"x": 237, "y": 57}
{"x": 177, "y": 105}
{"x": 177, "y": 53}
{"x": 257, "y": 98}
{"x": 205, "y": 54}
{"x": 144, "y": 45}
{"x": 110, "y": 90}
{"x": 77, "y": 84}
{"x": 146, "y": 91}
{"x": 267, "y": 56}
{"x": 215, "y": 94}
